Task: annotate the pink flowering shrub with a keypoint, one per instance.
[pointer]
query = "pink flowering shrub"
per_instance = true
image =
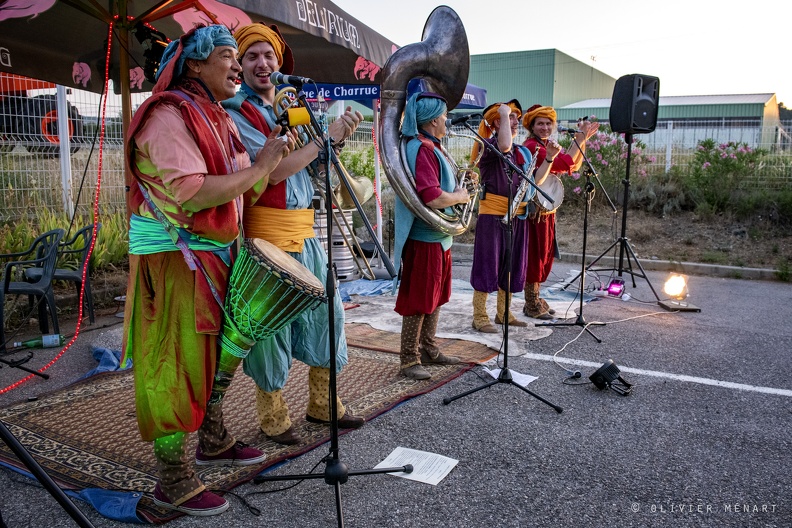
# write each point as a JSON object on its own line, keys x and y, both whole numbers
{"x": 607, "y": 152}
{"x": 718, "y": 170}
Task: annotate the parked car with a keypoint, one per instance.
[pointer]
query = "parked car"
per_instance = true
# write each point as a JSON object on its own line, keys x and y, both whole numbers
{"x": 33, "y": 121}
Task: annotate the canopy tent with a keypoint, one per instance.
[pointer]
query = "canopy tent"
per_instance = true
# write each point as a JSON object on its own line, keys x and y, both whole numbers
{"x": 65, "y": 42}
{"x": 474, "y": 98}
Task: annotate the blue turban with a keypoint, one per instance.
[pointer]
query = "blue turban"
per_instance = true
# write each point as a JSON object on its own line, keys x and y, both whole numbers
{"x": 421, "y": 107}
{"x": 197, "y": 46}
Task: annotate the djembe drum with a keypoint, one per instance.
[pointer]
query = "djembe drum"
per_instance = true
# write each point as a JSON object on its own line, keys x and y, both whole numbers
{"x": 267, "y": 290}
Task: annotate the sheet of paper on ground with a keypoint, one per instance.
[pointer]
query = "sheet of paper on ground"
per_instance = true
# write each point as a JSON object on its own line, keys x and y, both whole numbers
{"x": 429, "y": 468}
{"x": 519, "y": 378}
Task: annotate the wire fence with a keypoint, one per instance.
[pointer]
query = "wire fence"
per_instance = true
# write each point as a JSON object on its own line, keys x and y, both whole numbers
{"x": 37, "y": 170}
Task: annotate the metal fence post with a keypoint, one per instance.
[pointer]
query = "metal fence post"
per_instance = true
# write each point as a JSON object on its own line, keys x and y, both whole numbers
{"x": 65, "y": 151}
{"x": 669, "y": 142}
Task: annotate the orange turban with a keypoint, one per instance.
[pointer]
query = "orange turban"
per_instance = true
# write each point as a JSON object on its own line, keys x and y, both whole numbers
{"x": 537, "y": 111}
{"x": 490, "y": 115}
{"x": 248, "y": 35}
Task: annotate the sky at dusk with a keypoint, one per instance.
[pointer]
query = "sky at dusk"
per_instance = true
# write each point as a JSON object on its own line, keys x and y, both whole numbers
{"x": 694, "y": 47}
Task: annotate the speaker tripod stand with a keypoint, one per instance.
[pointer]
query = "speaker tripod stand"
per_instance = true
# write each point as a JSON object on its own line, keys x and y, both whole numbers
{"x": 336, "y": 471}
{"x": 625, "y": 249}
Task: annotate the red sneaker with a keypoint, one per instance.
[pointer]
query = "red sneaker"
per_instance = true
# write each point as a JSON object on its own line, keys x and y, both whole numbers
{"x": 204, "y": 504}
{"x": 239, "y": 454}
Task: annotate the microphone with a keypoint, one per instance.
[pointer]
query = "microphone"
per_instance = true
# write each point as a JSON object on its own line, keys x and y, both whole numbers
{"x": 569, "y": 130}
{"x": 459, "y": 119}
{"x": 282, "y": 78}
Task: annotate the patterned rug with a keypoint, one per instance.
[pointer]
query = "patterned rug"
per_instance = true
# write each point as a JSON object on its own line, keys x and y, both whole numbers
{"x": 85, "y": 436}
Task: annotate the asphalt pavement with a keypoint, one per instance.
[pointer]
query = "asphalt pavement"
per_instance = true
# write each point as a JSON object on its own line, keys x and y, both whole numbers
{"x": 702, "y": 440}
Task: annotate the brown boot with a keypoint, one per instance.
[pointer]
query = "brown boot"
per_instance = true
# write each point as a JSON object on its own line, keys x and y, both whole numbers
{"x": 416, "y": 372}
{"x": 289, "y": 437}
{"x": 513, "y": 322}
{"x": 430, "y": 352}
{"x": 533, "y": 306}
{"x": 546, "y": 306}
{"x": 439, "y": 359}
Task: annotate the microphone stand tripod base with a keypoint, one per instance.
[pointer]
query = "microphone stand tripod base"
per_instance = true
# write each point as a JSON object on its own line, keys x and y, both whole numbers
{"x": 581, "y": 322}
{"x": 336, "y": 472}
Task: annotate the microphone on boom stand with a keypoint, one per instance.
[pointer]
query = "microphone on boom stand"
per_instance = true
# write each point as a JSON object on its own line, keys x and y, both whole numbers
{"x": 295, "y": 80}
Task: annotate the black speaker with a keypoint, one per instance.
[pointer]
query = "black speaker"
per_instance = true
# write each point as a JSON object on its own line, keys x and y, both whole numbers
{"x": 633, "y": 107}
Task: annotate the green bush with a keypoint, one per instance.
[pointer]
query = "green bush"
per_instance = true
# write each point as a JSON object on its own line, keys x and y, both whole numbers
{"x": 607, "y": 152}
{"x": 718, "y": 171}
{"x": 359, "y": 162}
{"x": 664, "y": 193}
{"x": 110, "y": 249}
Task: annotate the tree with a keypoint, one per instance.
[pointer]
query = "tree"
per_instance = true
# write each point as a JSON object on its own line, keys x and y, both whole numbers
{"x": 784, "y": 113}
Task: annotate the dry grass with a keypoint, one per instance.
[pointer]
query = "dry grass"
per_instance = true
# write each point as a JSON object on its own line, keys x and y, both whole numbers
{"x": 683, "y": 237}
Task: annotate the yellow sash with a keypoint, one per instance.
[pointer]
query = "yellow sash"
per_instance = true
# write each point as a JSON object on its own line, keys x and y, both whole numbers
{"x": 495, "y": 204}
{"x": 285, "y": 228}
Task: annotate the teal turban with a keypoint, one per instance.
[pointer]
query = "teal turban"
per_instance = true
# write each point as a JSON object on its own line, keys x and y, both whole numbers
{"x": 197, "y": 45}
{"x": 421, "y": 107}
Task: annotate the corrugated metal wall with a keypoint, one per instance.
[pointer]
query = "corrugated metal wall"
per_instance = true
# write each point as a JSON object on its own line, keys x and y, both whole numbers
{"x": 714, "y": 111}
{"x": 566, "y": 115}
{"x": 526, "y": 75}
{"x": 576, "y": 81}
{"x": 762, "y": 115}
{"x": 546, "y": 77}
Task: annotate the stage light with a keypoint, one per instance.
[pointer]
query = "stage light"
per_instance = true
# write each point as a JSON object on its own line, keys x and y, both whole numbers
{"x": 616, "y": 287}
{"x": 676, "y": 287}
{"x": 153, "y": 43}
{"x": 608, "y": 376}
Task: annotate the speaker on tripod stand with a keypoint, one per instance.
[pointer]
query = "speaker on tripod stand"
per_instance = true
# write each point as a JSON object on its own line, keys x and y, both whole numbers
{"x": 633, "y": 110}
{"x": 634, "y": 104}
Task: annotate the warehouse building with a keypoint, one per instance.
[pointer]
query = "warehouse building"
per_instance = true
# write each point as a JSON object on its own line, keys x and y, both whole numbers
{"x": 575, "y": 89}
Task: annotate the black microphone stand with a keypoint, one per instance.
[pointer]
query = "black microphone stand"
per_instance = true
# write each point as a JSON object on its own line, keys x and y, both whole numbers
{"x": 46, "y": 481}
{"x": 505, "y": 375}
{"x": 589, "y": 195}
{"x": 19, "y": 364}
{"x": 336, "y": 472}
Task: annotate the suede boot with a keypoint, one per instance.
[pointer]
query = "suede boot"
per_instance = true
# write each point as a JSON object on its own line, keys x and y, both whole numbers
{"x": 533, "y": 305}
{"x": 410, "y": 337}
{"x": 481, "y": 320}
{"x": 273, "y": 413}
{"x": 504, "y": 298}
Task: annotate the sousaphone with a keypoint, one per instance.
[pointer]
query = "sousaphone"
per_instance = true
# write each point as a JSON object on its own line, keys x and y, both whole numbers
{"x": 442, "y": 59}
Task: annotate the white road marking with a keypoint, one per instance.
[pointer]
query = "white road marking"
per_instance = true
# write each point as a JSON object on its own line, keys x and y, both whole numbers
{"x": 668, "y": 375}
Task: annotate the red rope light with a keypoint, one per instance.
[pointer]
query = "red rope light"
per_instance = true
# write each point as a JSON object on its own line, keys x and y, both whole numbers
{"x": 103, "y": 121}
{"x": 377, "y": 154}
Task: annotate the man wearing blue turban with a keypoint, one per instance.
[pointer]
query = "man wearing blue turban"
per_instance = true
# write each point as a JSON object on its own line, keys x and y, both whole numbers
{"x": 190, "y": 170}
{"x": 422, "y": 252}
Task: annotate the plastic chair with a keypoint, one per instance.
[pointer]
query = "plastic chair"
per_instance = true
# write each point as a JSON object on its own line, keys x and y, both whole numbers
{"x": 69, "y": 247}
{"x": 45, "y": 248}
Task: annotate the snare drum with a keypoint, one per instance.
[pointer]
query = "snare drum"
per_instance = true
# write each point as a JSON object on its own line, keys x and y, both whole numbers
{"x": 268, "y": 289}
{"x": 554, "y": 188}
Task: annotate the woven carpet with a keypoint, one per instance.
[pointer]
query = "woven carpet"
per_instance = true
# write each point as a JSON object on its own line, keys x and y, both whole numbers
{"x": 85, "y": 436}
